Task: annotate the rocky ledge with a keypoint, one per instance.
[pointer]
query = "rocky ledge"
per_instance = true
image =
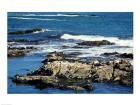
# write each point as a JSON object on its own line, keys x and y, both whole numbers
{"x": 35, "y": 30}
{"x": 95, "y": 43}
{"x": 58, "y": 71}
{"x": 16, "y": 52}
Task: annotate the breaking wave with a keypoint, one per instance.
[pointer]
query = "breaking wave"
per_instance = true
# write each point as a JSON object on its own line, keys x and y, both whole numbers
{"x": 116, "y": 40}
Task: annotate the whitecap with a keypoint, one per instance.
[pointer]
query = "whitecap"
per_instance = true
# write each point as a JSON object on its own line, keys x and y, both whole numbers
{"x": 116, "y": 40}
{"x": 67, "y": 15}
{"x": 25, "y": 18}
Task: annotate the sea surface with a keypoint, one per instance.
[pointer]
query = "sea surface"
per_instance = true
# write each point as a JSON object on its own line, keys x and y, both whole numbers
{"x": 61, "y": 32}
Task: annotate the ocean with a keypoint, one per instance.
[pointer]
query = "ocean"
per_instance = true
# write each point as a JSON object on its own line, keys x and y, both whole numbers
{"x": 60, "y": 32}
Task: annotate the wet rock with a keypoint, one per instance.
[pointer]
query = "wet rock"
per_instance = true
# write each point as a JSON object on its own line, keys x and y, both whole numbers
{"x": 120, "y": 55}
{"x": 110, "y": 54}
{"x": 126, "y": 55}
{"x": 42, "y": 71}
{"x": 48, "y": 81}
{"x": 95, "y": 43}
{"x": 65, "y": 46}
{"x": 35, "y": 30}
{"x": 16, "y": 52}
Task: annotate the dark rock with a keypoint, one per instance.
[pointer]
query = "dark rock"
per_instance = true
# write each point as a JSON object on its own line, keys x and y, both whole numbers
{"x": 42, "y": 72}
{"x": 93, "y": 15}
{"x": 27, "y": 31}
{"x": 16, "y": 52}
{"x": 120, "y": 55}
{"x": 95, "y": 43}
{"x": 54, "y": 56}
{"x": 110, "y": 54}
{"x": 42, "y": 82}
{"x": 65, "y": 47}
{"x": 126, "y": 55}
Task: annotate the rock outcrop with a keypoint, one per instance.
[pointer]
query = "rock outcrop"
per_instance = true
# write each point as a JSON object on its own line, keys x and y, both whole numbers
{"x": 120, "y": 71}
{"x": 60, "y": 72}
{"x": 16, "y": 52}
{"x": 36, "y": 30}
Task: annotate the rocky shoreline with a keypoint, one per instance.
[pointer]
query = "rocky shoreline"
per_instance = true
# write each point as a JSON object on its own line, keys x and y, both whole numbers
{"x": 63, "y": 72}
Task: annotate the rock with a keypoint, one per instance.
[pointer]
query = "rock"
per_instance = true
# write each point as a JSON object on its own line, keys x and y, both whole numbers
{"x": 95, "y": 43}
{"x": 16, "y": 52}
{"x": 54, "y": 56}
{"x": 110, "y": 54}
{"x": 42, "y": 71}
{"x": 96, "y": 63}
{"x": 93, "y": 15}
{"x": 123, "y": 65}
{"x": 117, "y": 71}
{"x": 65, "y": 46}
{"x": 120, "y": 55}
{"x": 103, "y": 73}
{"x": 48, "y": 81}
{"x": 35, "y": 30}
{"x": 69, "y": 69}
{"x": 58, "y": 72}
{"x": 126, "y": 55}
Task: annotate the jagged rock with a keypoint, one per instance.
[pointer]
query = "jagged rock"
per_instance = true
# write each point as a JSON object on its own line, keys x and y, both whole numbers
{"x": 103, "y": 73}
{"x": 95, "y": 43}
{"x": 58, "y": 72}
{"x": 69, "y": 69}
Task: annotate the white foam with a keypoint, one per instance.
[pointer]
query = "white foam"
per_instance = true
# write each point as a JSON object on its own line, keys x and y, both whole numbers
{"x": 117, "y": 41}
{"x": 24, "y": 18}
{"x": 85, "y": 52}
{"x": 68, "y": 15}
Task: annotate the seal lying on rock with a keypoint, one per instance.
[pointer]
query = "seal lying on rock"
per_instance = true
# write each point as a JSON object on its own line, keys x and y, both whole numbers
{"x": 58, "y": 72}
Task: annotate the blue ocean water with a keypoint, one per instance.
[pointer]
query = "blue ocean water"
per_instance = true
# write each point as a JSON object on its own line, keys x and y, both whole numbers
{"x": 66, "y": 29}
